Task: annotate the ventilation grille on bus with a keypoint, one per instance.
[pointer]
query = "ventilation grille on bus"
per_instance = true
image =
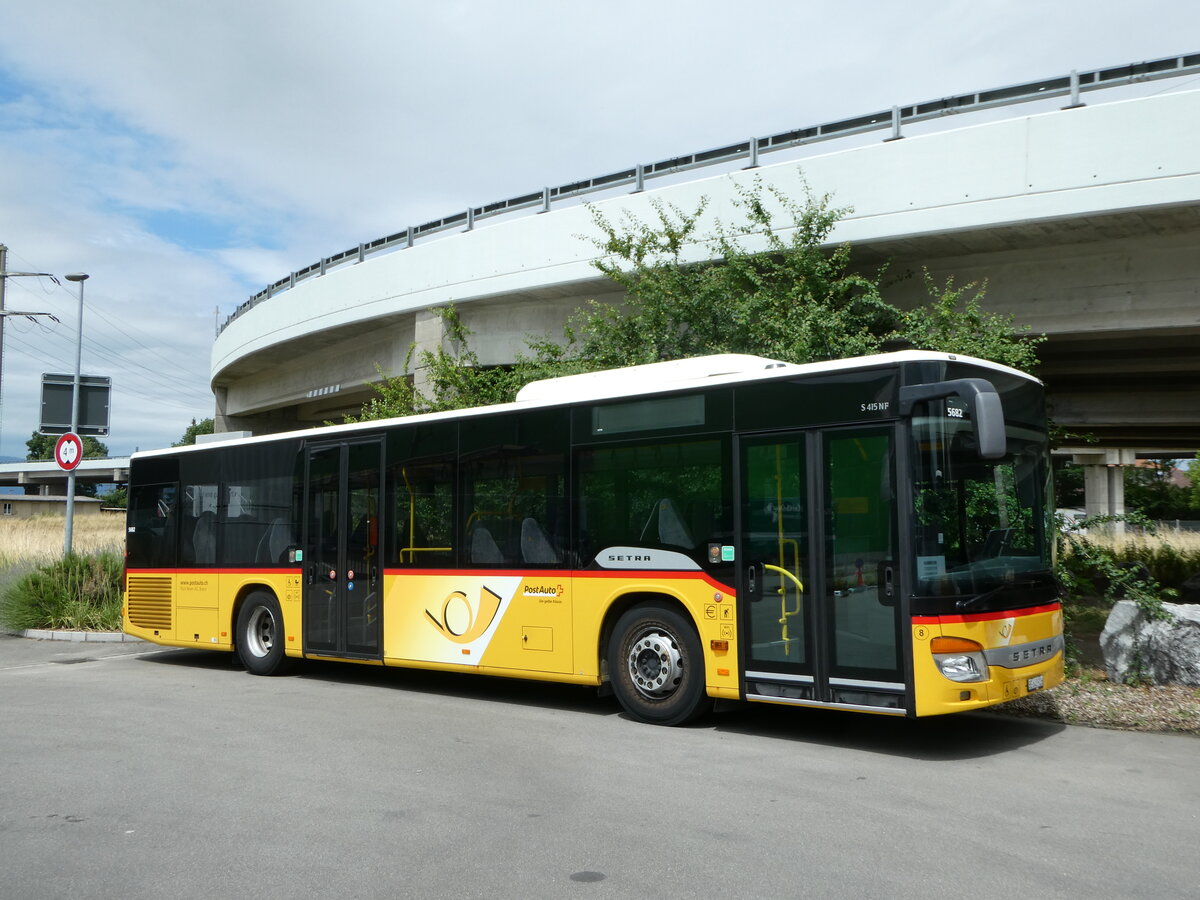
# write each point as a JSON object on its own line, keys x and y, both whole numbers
{"x": 149, "y": 599}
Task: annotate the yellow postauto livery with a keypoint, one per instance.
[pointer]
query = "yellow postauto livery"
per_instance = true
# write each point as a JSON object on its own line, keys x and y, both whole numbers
{"x": 871, "y": 535}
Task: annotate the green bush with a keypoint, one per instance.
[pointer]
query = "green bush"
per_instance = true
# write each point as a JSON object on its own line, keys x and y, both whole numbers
{"x": 78, "y": 593}
{"x": 1097, "y": 564}
{"x": 1168, "y": 564}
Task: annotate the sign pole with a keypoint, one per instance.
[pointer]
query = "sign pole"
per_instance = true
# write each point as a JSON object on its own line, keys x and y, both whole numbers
{"x": 80, "y": 278}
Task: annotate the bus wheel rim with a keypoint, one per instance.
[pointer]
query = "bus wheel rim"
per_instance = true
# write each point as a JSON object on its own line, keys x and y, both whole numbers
{"x": 655, "y": 664}
{"x": 260, "y": 634}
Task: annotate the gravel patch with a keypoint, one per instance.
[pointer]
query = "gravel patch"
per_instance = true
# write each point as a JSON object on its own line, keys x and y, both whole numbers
{"x": 1091, "y": 699}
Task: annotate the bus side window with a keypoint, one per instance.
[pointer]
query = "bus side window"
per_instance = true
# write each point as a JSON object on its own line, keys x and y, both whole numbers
{"x": 515, "y": 498}
{"x": 258, "y": 517}
{"x": 152, "y": 523}
{"x": 197, "y": 522}
{"x": 668, "y": 494}
{"x": 423, "y": 512}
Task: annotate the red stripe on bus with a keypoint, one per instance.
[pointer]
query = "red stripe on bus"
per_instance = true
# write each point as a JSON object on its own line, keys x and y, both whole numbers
{"x": 987, "y": 616}
{"x": 547, "y": 574}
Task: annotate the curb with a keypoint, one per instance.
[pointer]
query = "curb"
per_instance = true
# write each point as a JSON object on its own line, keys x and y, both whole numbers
{"x": 93, "y": 637}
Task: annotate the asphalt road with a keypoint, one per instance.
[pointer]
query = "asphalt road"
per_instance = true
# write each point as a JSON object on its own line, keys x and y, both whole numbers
{"x": 130, "y": 771}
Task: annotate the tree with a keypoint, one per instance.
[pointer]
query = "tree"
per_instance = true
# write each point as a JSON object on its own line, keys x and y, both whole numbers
{"x": 117, "y": 497}
{"x": 1151, "y": 489}
{"x": 786, "y": 297}
{"x": 955, "y": 321}
{"x": 792, "y": 299}
{"x": 204, "y": 426}
{"x": 41, "y": 447}
{"x": 1193, "y": 474}
{"x": 766, "y": 284}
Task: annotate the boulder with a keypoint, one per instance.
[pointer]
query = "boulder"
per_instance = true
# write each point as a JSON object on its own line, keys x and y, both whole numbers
{"x": 1165, "y": 651}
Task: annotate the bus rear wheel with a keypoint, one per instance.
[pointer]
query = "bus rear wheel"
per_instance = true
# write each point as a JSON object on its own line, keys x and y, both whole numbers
{"x": 656, "y": 666}
{"x": 260, "y": 635}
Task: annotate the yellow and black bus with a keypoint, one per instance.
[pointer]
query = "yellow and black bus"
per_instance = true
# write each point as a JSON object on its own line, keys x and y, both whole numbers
{"x": 871, "y": 534}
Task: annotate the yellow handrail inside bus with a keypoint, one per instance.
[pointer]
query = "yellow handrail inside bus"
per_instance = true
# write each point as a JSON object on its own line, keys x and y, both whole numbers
{"x": 794, "y": 546}
{"x": 412, "y": 550}
{"x": 784, "y": 612}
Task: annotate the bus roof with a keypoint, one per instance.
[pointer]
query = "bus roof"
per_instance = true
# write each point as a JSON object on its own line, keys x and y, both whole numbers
{"x": 631, "y": 381}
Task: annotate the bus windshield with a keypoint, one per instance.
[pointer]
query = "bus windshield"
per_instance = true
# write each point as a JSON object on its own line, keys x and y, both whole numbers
{"x": 981, "y": 528}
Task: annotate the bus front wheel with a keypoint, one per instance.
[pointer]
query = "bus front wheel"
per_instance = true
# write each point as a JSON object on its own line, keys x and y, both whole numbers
{"x": 260, "y": 635}
{"x": 656, "y": 666}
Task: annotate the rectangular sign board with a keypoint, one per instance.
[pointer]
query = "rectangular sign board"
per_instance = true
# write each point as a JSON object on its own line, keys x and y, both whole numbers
{"x": 94, "y": 392}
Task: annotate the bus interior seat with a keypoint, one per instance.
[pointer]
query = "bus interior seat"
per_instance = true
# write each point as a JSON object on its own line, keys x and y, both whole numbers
{"x": 274, "y": 542}
{"x": 671, "y": 529}
{"x": 995, "y": 543}
{"x": 204, "y": 539}
{"x": 484, "y": 548}
{"x": 535, "y": 546}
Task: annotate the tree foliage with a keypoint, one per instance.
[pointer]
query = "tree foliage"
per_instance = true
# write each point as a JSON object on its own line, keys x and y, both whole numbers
{"x": 954, "y": 321}
{"x": 1151, "y": 489}
{"x": 766, "y": 284}
{"x": 1193, "y": 474}
{"x": 204, "y": 426}
{"x": 762, "y": 287}
{"x": 41, "y": 447}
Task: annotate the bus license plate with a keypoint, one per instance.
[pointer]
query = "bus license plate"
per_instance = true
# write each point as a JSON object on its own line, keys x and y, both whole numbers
{"x": 1036, "y": 683}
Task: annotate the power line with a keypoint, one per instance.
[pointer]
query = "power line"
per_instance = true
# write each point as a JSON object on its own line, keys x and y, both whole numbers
{"x": 163, "y": 376}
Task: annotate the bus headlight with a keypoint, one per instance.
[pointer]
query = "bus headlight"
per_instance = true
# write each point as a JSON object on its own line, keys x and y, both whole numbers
{"x": 959, "y": 659}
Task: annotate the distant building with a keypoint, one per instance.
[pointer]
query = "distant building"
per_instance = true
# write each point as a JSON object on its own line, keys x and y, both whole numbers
{"x": 23, "y": 506}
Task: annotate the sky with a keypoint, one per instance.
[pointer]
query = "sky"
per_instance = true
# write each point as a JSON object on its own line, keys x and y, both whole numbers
{"x": 186, "y": 154}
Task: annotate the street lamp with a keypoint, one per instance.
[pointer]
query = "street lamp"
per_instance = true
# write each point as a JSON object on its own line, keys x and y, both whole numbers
{"x": 79, "y": 278}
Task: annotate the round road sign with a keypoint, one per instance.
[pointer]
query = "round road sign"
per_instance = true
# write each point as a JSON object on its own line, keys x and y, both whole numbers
{"x": 68, "y": 451}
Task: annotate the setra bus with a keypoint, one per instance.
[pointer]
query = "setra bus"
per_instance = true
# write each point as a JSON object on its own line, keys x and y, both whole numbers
{"x": 870, "y": 534}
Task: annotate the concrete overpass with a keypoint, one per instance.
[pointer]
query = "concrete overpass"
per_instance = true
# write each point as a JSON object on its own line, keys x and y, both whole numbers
{"x": 1085, "y": 221}
{"x": 46, "y": 479}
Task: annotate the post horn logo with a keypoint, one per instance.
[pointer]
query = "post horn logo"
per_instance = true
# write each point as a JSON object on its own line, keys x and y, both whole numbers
{"x": 462, "y": 620}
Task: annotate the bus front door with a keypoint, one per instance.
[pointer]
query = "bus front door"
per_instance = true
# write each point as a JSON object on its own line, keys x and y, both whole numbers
{"x": 818, "y": 579}
{"x": 342, "y": 573}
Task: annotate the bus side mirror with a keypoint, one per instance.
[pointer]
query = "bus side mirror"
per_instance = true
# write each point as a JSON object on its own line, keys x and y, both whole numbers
{"x": 987, "y": 412}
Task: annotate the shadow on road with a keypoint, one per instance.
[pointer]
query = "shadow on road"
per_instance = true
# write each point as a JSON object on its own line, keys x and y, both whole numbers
{"x": 961, "y": 736}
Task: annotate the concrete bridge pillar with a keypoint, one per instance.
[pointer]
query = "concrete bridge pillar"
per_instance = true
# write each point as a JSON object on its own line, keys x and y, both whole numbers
{"x": 1104, "y": 481}
{"x": 429, "y": 335}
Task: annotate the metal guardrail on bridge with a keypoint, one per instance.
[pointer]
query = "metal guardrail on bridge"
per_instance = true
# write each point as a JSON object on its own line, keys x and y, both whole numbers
{"x": 1072, "y": 85}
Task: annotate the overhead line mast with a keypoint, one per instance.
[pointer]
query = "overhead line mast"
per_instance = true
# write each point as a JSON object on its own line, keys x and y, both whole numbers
{"x": 4, "y": 276}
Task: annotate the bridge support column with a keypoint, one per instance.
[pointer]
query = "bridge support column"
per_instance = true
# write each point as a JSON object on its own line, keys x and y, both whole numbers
{"x": 1104, "y": 481}
{"x": 429, "y": 335}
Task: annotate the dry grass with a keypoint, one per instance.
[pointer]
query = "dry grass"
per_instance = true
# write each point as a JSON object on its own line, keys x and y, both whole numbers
{"x": 1184, "y": 542}
{"x": 39, "y": 540}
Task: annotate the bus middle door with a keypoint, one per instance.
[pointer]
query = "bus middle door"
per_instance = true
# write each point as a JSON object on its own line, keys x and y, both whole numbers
{"x": 342, "y": 573}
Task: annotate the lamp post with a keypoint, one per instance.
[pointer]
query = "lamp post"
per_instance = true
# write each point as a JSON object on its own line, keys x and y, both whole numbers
{"x": 80, "y": 278}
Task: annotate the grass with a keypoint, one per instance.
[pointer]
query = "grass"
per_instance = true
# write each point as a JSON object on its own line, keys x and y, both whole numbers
{"x": 41, "y": 589}
{"x": 76, "y": 593}
{"x": 1171, "y": 556}
{"x": 38, "y": 540}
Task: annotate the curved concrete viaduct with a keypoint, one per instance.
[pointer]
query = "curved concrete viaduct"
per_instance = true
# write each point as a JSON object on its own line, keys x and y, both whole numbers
{"x": 1085, "y": 222}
